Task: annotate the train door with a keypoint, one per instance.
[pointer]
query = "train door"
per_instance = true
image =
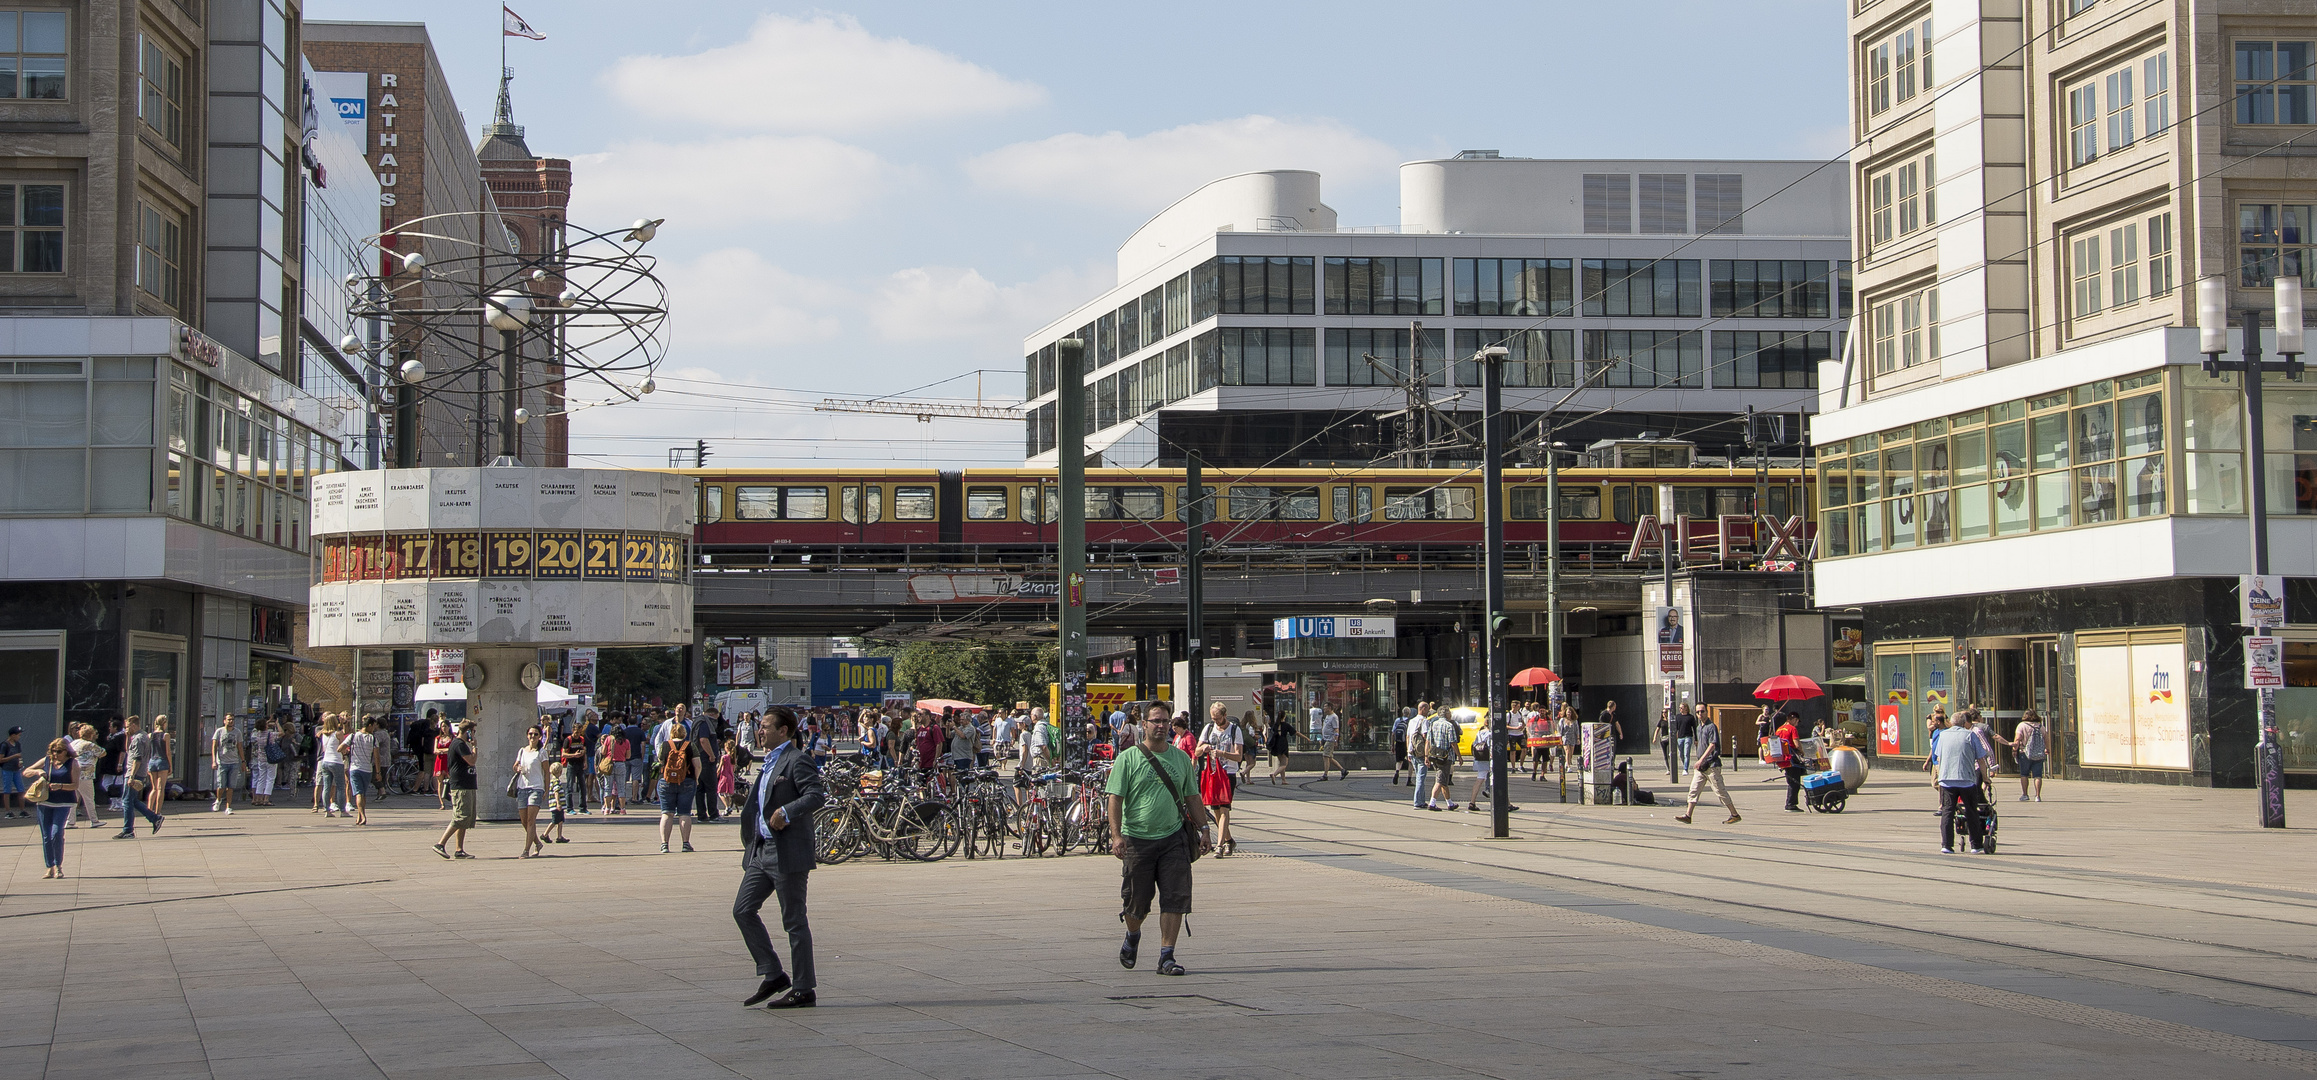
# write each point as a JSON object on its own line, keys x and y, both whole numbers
{"x": 951, "y": 507}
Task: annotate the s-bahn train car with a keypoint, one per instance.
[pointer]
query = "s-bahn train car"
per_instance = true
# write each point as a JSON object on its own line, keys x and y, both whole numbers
{"x": 773, "y": 513}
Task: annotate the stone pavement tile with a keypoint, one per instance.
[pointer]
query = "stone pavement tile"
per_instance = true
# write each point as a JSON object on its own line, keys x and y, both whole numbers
{"x": 194, "y": 1069}
{"x": 476, "y": 1070}
{"x": 335, "y": 1063}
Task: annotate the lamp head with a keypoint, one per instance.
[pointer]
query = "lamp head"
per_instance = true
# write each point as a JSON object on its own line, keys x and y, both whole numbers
{"x": 522, "y": 416}
{"x": 1495, "y": 352}
{"x": 644, "y": 230}
{"x": 2212, "y": 315}
{"x": 349, "y": 344}
{"x": 647, "y": 386}
{"x": 412, "y": 372}
{"x": 507, "y": 311}
{"x": 2291, "y": 336}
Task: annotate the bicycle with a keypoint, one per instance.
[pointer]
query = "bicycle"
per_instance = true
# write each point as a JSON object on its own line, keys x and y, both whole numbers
{"x": 404, "y": 776}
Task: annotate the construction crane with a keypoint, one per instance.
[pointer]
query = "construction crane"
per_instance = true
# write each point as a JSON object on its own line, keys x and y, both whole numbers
{"x": 923, "y": 411}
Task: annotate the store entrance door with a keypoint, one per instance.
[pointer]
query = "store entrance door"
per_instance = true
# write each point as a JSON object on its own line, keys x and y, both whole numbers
{"x": 2043, "y": 695}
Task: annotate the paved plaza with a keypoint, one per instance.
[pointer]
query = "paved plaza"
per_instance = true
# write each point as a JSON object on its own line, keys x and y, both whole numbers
{"x": 2122, "y": 932}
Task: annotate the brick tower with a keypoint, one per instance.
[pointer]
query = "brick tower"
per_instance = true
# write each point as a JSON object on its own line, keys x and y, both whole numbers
{"x": 532, "y": 194}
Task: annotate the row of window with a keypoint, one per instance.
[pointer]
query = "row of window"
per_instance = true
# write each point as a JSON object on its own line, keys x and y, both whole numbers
{"x": 2085, "y": 456}
{"x": 866, "y": 504}
{"x": 238, "y": 465}
{"x": 1901, "y": 199}
{"x": 1898, "y": 67}
{"x": 2276, "y": 82}
{"x": 2137, "y": 264}
{"x": 2109, "y": 103}
{"x": 1621, "y": 288}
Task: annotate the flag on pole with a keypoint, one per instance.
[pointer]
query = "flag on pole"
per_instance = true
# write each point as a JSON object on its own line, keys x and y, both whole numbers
{"x": 516, "y": 27}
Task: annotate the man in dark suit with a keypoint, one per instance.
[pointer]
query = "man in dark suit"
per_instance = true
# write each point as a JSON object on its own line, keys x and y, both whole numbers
{"x": 776, "y": 854}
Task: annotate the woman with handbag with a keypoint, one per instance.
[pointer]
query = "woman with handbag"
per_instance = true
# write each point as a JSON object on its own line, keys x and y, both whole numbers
{"x": 1221, "y": 747}
{"x": 54, "y": 785}
{"x": 273, "y": 748}
{"x": 528, "y": 787}
{"x": 611, "y": 767}
{"x": 330, "y": 768}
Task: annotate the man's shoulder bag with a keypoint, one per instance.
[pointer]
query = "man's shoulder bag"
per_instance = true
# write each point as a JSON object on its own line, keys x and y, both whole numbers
{"x": 1190, "y": 821}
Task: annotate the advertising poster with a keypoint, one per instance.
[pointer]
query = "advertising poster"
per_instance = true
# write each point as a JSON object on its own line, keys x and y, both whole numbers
{"x": 581, "y": 665}
{"x": 1846, "y": 647}
{"x": 723, "y": 666}
{"x": 2264, "y": 662}
{"x": 1887, "y": 721}
{"x": 2261, "y": 599}
{"x": 1670, "y": 642}
{"x": 2104, "y": 690}
{"x": 743, "y": 666}
{"x": 2159, "y": 707}
{"x": 445, "y": 665}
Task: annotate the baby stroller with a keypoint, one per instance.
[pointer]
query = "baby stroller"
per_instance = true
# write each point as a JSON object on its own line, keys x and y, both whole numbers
{"x": 1987, "y": 815}
{"x": 1824, "y": 792}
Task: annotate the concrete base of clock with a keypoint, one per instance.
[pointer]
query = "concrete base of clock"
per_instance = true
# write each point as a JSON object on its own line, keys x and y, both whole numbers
{"x": 502, "y": 709}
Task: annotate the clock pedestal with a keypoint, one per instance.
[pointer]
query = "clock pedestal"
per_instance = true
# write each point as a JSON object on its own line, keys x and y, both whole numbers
{"x": 502, "y": 710}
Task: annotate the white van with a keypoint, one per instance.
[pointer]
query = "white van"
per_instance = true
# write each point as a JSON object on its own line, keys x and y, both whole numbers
{"x": 731, "y": 703}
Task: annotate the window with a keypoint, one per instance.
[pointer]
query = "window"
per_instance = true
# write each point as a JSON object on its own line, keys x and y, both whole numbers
{"x": 1349, "y": 348}
{"x": 2273, "y": 241}
{"x": 2084, "y": 270}
{"x": 1041, "y": 506}
{"x": 849, "y": 506}
{"x": 1106, "y": 403}
{"x": 1154, "y": 316}
{"x": 1274, "y": 503}
{"x": 2160, "y": 276}
{"x": 1644, "y": 287}
{"x": 1898, "y": 67}
{"x": 1178, "y": 373}
{"x": 1882, "y": 206}
{"x": 1537, "y": 357}
{"x": 914, "y": 504}
{"x": 1773, "y": 288}
{"x": 2083, "y": 124}
{"x": 1608, "y": 203}
{"x": 161, "y": 104}
{"x": 2124, "y": 265}
{"x": 1106, "y": 338}
{"x": 31, "y": 227}
{"x": 1268, "y": 356}
{"x": 780, "y": 503}
{"x": 33, "y": 45}
{"x": 2276, "y": 82}
{"x": 1383, "y": 286}
{"x": 1664, "y": 202}
{"x": 1906, "y": 331}
{"x": 1428, "y": 503}
{"x": 1721, "y": 203}
{"x": 1770, "y": 358}
{"x": 1903, "y": 199}
{"x": 2121, "y": 99}
{"x": 2156, "y": 88}
{"x": 1129, "y": 329}
{"x": 160, "y": 255}
{"x": 1253, "y": 285}
{"x": 1528, "y": 503}
{"x": 1648, "y": 357}
{"x": 2078, "y": 7}
{"x": 1178, "y": 304}
{"x": 1124, "y": 504}
{"x": 985, "y": 504}
{"x": 712, "y": 503}
{"x": 1512, "y": 287}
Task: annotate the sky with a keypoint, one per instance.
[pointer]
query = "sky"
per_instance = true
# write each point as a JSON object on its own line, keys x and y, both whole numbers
{"x": 881, "y": 199}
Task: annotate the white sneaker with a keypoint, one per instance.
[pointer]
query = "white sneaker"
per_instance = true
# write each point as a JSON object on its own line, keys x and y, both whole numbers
{"x": 213, "y": 808}
{"x": 229, "y": 811}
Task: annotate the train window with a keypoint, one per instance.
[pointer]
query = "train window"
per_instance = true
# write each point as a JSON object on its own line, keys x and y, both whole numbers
{"x": 853, "y": 500}
{"x": 1124, "y": 504}
{"x": 1043, "y": 507}
{"x": 1629, "y": 503}
{"x": 1353, "y": 503}
{"x": 1183, "y": 510}
{"x": 712, "y": 503}
{"x": 1340, "y": 502}
{"x": 1428, "y": 504}
{"x": 1577, "y": 504}
{"x": 1030, "y": 504}
{"x": 913, "y": 504}
{"x": 781, "y": 503}
{"x": 1274, "y": 503}
{"x": 985, "y": 504}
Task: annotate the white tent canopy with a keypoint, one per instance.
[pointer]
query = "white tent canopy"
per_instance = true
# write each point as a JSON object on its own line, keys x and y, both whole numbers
{"x": 551, "y": 696}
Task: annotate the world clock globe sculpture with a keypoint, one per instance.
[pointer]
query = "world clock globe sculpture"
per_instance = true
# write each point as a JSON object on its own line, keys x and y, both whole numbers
{"x": 496, "y": 557}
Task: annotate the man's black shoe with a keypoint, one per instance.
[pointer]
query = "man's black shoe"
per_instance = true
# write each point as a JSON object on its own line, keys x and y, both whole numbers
{"x": 767, "y": 988}
{"x": 794, "y": 999}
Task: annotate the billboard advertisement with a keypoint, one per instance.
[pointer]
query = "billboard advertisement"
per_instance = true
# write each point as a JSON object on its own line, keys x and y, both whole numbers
{"x": 580, "y": 672}
{"x": 853, "y": 681}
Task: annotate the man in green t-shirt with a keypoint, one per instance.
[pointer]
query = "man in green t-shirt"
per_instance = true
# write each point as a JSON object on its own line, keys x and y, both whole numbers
{"x": 1154, "y": 810}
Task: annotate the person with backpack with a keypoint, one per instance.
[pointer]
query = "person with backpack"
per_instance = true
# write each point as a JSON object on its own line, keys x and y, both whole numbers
{"x": 1442, "y": 735}
{"x": 2027, "y": 745}
{"x": 1420, "y": 755}
{"x": 1706, "y": 768}
{"x": 1780, "y": 751}
{"x": 459, "y": 783}
{"x": 1157, "y": 828}
{"x": 679, "y": 779}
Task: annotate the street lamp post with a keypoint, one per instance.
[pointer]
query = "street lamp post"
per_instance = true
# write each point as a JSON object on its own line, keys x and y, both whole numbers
{"x": 1492, "y": 510}
{"x": 2212, "y": 298}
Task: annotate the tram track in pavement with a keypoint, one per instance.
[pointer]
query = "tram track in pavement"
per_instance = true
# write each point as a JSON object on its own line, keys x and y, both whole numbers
{"x": 1814, "y": 915}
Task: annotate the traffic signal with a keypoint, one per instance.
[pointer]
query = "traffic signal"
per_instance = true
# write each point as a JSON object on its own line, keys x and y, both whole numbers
{"x": 700, "y": 453}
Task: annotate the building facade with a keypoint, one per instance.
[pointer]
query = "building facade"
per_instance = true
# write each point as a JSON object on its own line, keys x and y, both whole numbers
{"x": 1248, "y": 326}
{"x": 152, "y": 477}
{"x": 2033, "y": 494}
{"x": 533, "y": 195}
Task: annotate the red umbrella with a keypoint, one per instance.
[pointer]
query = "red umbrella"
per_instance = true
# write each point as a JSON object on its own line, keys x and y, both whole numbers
{"x": 1787, "y": 688}
{"x": 1535, "y": 676}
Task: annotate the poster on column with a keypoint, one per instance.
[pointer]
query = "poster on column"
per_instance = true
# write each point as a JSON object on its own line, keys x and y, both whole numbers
{"x": 581, "y": 672}
{"x": 723, "y": 666}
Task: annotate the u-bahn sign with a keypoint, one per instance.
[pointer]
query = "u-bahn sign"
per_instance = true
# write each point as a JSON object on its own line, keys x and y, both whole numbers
{"x": 501, "y": 556}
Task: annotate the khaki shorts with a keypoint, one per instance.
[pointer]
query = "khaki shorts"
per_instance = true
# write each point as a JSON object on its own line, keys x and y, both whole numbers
{"x": 463, "y": 807}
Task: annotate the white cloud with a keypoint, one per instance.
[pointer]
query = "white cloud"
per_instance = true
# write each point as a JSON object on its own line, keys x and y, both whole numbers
{"x": 733, "y": 297}
{"x": 1146, "y": 172}
{"x": 703, "y": 187}
{"x": 824, "y": 74}
{"x": 934, "y": 303}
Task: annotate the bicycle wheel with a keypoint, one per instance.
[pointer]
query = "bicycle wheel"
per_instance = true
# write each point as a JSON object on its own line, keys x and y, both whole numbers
{"x": 1036, "y": 834}
{"x": 834, "y": 838}
{"x": 939, "y": 831}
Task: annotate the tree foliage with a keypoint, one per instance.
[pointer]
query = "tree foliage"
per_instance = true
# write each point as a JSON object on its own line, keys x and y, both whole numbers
{"x": 986, "y": 673}
{"x": 629, "y": 676}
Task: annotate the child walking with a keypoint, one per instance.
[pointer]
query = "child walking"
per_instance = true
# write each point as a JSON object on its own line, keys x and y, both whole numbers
{"x": 728, "y": 779}
{"x": 555, "y": 788}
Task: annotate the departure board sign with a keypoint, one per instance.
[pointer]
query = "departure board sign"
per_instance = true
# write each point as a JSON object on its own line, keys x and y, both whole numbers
{"x": 455, "y": 557}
